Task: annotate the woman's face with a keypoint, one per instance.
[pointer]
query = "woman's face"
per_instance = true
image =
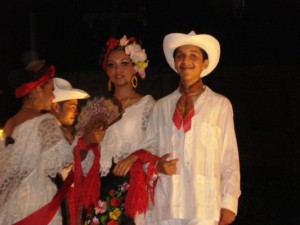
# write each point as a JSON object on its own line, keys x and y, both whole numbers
{"x": 47, "y": 95}
{"x": 119, "y": 68}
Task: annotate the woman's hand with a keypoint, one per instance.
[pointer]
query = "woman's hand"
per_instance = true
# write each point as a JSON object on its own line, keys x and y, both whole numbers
{"x": 124, "y": 166}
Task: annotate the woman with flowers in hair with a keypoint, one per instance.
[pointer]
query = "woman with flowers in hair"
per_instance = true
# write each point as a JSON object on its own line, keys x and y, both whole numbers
{"x": 124, "y": 195}
{"x": 33, "y": 150}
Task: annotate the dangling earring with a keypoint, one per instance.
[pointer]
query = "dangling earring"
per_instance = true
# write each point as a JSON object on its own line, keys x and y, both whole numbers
{"x": 109, "y": 85}
{"x": 134, "y": 82}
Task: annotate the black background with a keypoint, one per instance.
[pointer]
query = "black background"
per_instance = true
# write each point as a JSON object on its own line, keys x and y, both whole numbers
{"x": 258, "y": 70}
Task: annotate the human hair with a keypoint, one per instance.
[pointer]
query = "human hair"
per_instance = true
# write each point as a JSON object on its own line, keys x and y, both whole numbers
{"x": 33, "y": 72}
{"x": 204, "y": 53}
{"x": 24, "y": 80}
{"x": 131, "y": 48}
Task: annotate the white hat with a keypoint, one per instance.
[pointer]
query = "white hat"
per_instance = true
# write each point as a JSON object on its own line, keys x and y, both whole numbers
{"x": 207, "y": 42}
{"x": 64, "y": 91}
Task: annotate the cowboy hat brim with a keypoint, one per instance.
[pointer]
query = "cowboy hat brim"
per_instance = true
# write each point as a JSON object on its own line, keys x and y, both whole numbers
{"x": 64, "y": 91}
{"x": 207, "y": 42}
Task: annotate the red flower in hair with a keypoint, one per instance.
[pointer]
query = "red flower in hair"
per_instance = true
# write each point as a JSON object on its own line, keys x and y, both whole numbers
{"x": 111, "y": 44}
{"x": 137, "y": 55}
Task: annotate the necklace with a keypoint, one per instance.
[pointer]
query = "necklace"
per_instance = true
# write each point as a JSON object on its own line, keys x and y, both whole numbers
{"x": 125, "y": 101}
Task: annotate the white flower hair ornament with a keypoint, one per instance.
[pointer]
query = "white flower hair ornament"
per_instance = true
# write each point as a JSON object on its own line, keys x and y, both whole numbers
{"x": 99, "y": 112}
{"x": 137, "y": 55}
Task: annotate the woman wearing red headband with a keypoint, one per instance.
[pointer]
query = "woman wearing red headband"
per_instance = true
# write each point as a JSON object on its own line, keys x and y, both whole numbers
{"x": 33, "y": 151}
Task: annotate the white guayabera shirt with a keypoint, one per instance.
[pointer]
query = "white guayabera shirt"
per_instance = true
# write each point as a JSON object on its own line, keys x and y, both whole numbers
{"x": 208, "y": 174}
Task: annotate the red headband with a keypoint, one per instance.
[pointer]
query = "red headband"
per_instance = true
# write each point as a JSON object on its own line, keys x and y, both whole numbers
{"x": 26, "y": 88}
{"x": 113, "y": 43}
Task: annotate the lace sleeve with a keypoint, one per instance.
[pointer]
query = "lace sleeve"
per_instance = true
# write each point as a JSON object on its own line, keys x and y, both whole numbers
{"x": 57, "y": 152}
{"x": 147, "y": 110}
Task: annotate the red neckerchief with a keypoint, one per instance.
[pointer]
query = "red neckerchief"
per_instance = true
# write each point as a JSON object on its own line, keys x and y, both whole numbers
{"x": 140, "y": 183}
{"x": 87, "y": 188}
{"x": 184, "y": 110}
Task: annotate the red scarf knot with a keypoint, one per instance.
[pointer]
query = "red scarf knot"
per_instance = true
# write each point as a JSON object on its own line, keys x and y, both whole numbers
{"x": 184, "y": 110}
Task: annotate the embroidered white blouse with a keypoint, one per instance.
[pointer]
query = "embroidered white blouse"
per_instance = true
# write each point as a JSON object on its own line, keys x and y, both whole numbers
{"x": 208, "y": 175}
{"x": 40, "y": 150}
{"x": 126, "y": 135}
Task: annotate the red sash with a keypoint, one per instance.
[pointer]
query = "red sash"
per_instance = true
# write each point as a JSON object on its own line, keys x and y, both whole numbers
{"x": 44, "y": 215}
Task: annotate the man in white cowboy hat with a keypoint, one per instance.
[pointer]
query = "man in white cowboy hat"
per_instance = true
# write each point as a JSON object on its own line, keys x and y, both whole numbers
{"x": 192, "y": 129}
{"x": 65, "y": 104}
{"x": 64, "y": 108}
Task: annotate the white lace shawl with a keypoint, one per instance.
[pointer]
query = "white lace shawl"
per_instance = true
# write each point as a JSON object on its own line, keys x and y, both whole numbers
{"x": 39, "y": 148}
{"x": 123, "y": 137}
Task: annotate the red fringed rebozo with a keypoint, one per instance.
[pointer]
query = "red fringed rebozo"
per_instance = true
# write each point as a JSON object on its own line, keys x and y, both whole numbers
{"x": 87, "y": 188}
{"x": 140, "y": 183}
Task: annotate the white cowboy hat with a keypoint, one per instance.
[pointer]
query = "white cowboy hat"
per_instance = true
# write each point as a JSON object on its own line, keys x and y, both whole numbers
{"x": 64, "y": 91}
{"x": 207, "y": 42}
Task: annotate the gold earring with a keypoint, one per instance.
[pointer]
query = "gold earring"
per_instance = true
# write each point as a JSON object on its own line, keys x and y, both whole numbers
{"x": 109, "y": 85}
{"x": 134, "y": 82}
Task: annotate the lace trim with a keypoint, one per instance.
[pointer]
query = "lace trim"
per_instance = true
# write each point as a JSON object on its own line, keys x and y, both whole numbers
{"x": 147, "y": 111}
{"x": 39, "y": 145}
{"x": 115, "y": 149}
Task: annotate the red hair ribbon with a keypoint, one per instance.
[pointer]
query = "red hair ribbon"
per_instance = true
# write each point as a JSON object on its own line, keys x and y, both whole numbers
{"x": 113, "y": 43}
{"x": 26, "y": 88}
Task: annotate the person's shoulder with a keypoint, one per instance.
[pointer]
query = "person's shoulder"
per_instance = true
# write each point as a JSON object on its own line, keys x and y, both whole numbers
{"x": 211, "y": 93}
{"x": 9, "y": 125}
{"x": 173, "y": 96}
{"x": 47, "y": 115}
{"x": 215, "y": 96}
{"x": 149, "y": 98}
{"x": 47, "y": 118}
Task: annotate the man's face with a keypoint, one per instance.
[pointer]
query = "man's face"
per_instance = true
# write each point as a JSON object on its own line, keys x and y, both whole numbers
{"x": 67, "y": 112}
{"x": 189, "y": 64}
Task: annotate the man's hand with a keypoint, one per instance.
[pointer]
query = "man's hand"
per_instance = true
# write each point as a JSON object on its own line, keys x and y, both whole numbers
{"x": 165, "y": 166}
{"x": 123, "y": 167}
{"x": 226, "y": 217}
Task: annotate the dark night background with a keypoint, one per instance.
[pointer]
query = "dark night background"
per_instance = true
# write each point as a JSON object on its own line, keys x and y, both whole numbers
{"x": 258, "y": 71}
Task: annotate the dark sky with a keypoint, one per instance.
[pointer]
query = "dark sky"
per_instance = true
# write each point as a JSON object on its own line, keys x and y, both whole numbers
{"x": 71, "y": 34}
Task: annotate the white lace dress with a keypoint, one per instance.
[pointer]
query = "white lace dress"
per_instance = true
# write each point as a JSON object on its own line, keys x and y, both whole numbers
{"x": 40, "y": 150}
{"x": 125, "y": 136}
